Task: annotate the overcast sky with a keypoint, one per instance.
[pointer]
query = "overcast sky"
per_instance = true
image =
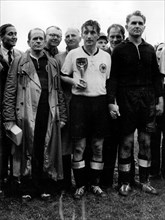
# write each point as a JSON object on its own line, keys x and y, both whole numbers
{"x": 25, "y": 15}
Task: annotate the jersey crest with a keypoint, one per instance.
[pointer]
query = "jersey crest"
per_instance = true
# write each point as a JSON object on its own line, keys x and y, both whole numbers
{"x": 102, "y": 68}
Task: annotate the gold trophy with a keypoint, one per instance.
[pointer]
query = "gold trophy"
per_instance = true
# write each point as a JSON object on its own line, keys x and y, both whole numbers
{"x": 82, "y": 64}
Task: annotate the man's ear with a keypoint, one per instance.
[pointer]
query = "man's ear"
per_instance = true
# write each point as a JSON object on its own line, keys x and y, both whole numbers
{"x": 28, "y": 43}
{"x": 126, "y": 27}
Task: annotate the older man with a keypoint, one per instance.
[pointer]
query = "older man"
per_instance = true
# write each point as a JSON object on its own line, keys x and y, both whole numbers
{"x": 53, "y": 39}
{"x": 8, "y": 37}
{"x": 115, "y": 34}
{"x": 72, "y": 40}
{"x": 34, "y": 101}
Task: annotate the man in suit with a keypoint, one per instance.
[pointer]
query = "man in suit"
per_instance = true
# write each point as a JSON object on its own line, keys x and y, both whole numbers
{"x": 8, "y": 38}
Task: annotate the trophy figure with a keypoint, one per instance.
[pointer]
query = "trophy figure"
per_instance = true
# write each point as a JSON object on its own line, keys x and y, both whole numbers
{"x": 82, "y": 64}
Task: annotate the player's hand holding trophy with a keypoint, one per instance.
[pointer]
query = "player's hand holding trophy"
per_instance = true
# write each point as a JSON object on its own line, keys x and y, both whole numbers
{"x": 82, "y": 64}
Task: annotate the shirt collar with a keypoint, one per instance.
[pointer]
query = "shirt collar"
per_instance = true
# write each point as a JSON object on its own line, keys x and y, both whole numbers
{"x": 5, "y": 51}
{"x": 97, "y": 50}
{"x": 142, "y": 43}
{"x": 43, "y": 55}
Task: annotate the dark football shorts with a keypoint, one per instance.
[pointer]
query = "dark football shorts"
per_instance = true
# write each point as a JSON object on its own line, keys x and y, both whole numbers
{"x": 137, "y": 109}
{"x": 89, "y": 116}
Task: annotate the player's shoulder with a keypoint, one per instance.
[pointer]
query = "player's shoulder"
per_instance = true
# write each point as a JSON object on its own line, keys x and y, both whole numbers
{"x": 103, "y": 53}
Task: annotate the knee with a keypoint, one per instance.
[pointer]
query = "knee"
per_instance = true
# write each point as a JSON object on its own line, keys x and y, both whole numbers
{"x": 97, "y": 147}
{"x": 144, "y": 142}
{"x": 127, "y": 144}
{"x": 79, "y": 147}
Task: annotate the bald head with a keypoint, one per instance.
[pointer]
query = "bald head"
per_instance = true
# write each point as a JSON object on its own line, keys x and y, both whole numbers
{"x": 72, "y": 30}
{"x": 72, "y": 38}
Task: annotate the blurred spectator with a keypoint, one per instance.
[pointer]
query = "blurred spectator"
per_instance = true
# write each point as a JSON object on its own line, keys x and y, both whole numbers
{"x": 158, "y": 138}
{"x": 102, "y": 42}
{"x": 159, "y": 48}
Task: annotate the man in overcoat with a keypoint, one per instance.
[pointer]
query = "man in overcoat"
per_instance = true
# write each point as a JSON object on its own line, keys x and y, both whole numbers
{"x": 33, "y": 100}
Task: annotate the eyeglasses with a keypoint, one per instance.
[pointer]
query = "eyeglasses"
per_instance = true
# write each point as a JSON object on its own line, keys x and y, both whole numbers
{"x": 55, "y": 35}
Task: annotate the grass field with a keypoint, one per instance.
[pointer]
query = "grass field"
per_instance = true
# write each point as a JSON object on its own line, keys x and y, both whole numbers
{"x": 138, "y": 205}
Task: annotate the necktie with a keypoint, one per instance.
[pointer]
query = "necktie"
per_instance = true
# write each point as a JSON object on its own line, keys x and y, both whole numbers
{"x": 9, "y": 56}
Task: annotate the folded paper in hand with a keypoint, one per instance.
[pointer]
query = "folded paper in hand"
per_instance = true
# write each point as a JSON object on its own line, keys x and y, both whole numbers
{"x": 15, "y": 134}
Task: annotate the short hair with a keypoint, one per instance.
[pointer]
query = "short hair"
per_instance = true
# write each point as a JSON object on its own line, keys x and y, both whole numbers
{"x": 39, "y": 29}
{"x": 93, "y": 24}
{"x": 72, "y": 29}
{"x": 3, "y": 29}
{"x": 59, "y": 29}
{"x": 135, "y": 13}
{"x": 120, "y": 27}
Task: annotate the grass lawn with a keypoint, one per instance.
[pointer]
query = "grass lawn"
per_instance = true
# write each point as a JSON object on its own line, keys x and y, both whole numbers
{"x": 138, "y": 205}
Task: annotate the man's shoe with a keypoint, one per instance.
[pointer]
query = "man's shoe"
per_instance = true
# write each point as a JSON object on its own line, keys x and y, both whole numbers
{"x": 146, "y": 187}
{"x": 124, "y": 190}
{"x": 79, "y": 192}
{"x": 26, "y": 198}
{"x": 98, "y": 191}
{"x": 45, "y": 196}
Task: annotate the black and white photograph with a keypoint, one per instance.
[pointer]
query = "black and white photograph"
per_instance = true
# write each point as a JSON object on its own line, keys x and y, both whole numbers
{"x": 82, "y": 100}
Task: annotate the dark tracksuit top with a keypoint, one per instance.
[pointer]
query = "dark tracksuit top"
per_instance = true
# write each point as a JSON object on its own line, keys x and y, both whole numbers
{"x": 134, "y": 70}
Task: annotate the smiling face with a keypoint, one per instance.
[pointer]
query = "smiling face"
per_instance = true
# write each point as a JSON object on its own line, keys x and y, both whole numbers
{"x": 90, "y": 36}
{"x": 53, "y": 37}
{"x": 9, "y": 40}
{"x": 37, "y": 40}
{"x": 135, "y": 26}
{"x": 115, "y": 36}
